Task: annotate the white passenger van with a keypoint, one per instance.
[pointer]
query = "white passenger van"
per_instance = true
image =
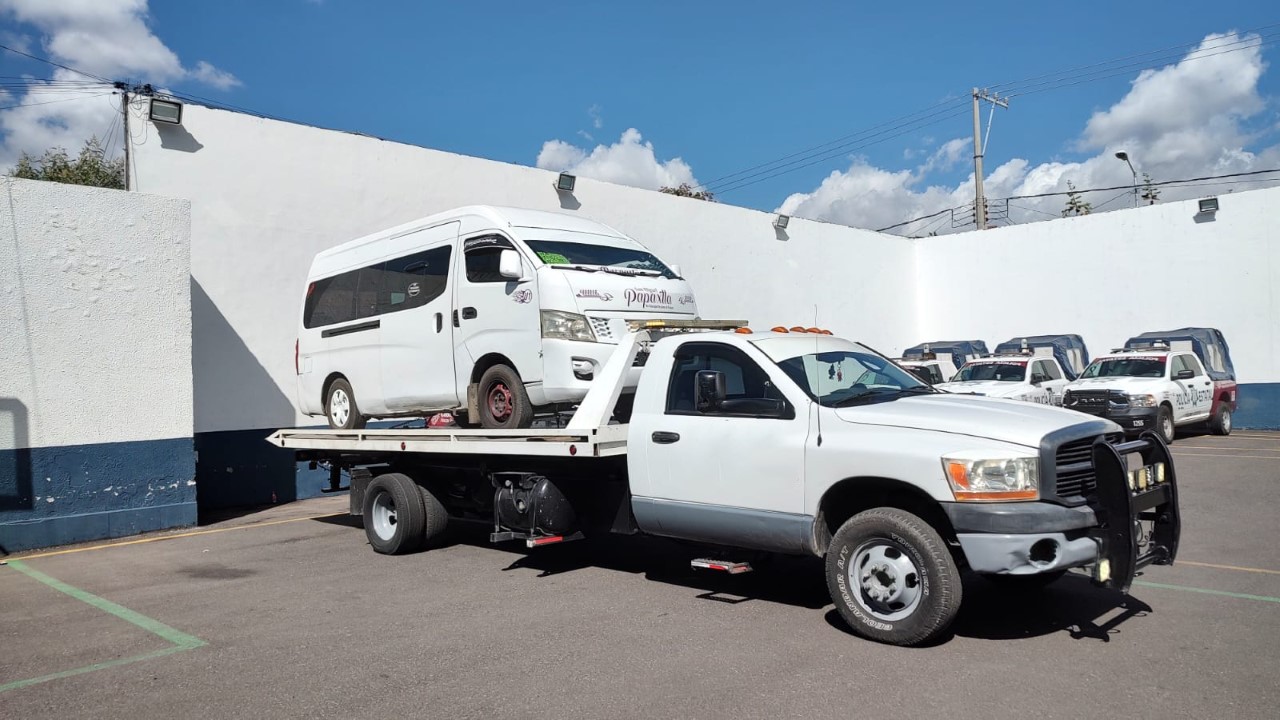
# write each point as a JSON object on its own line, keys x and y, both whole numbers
{"x": 485, "y": 312}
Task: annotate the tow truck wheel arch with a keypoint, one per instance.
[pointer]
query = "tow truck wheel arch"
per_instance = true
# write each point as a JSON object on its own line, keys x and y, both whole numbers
{"x": 851, "y": 496}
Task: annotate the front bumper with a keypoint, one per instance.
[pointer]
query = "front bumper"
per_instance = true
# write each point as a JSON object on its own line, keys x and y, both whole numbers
{"x": 1107, "y": 533}
{"x": 1134, "y": 420}
{"x": 569, "y": 366}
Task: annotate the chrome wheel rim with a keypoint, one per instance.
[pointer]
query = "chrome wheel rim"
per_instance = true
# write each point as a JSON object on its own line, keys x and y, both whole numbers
{"x": 888, "y": 582}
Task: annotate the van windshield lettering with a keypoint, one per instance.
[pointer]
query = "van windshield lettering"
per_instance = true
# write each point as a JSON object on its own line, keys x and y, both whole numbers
{"x": 584, "y": 256}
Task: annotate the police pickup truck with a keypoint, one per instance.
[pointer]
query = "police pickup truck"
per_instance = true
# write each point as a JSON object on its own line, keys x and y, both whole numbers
{"x": 1033, "y": 369}
{"x": 937, "y": 362}
{"x": 1161, "y": 381}
{"x": 788, "y": 442}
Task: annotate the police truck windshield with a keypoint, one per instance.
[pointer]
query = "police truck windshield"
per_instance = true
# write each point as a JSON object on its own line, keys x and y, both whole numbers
{"x": 1125, "y": 367}
{"x": 1001, "y": 372}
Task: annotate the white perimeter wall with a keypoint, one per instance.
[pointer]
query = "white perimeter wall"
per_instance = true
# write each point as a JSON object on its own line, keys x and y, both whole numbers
{"x": 266, "y": 196}
{"x": 95, "y": 326}
{"x": 1111, "y": 276}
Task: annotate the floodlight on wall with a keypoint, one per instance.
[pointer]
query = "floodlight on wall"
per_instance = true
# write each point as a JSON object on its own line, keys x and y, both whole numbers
{"x": 781, "y": 221}
{"x": 166, "y": 111}
{"x": 1208, "y": 206}
{"x": 565, "y": 182}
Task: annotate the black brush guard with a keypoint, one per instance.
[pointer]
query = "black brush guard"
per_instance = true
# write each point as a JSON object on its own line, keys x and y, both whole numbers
{"x": 1124, "y": 546}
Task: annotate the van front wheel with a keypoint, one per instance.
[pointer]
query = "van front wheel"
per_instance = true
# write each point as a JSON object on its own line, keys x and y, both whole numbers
{"x": 340, "y": 407}
{"x": 504, "y": 404}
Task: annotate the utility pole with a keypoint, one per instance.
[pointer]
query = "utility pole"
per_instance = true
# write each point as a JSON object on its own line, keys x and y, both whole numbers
{"x": 979, "y": 147}
{"x": 124, "y": 108}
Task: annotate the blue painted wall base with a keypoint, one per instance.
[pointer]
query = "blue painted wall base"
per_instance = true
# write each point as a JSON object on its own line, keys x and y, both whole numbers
{"x": 239, "y": 468}
{"x": 1257, "y": 407}
{"x": 78, "y": 493}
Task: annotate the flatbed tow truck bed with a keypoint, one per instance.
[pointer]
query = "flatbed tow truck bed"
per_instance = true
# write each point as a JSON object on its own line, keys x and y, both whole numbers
{"x": 597, "y": 442}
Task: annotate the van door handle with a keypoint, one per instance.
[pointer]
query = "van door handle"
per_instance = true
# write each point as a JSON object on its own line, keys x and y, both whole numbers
{"x": 665, "y": 438}
{"x": 439, "y": 322}
{"x": 469, "y": 313}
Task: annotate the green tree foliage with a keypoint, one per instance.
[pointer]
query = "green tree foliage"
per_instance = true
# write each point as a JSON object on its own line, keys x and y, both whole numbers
{"x": 685, "y": 190}
{"x": 1076, "y": 204}
{"x": 91, "y": 167}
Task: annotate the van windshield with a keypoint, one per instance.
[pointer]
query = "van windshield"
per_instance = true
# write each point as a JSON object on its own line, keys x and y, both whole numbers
{"x": 556, "y": 252}
{"x": 1000, "y": 372}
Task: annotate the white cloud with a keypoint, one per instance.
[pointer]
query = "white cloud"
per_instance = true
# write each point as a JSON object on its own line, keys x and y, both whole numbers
{"x": 630, "y": 161}
{"x": 597, "y": 119}
{"x": 1184, "y": 120}
{"x": 108, "y": 38}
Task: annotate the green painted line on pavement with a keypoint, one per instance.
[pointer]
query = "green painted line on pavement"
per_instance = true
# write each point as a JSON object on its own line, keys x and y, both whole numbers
{"x": 178, "y": 640}
{"x": 1207, "y": 591}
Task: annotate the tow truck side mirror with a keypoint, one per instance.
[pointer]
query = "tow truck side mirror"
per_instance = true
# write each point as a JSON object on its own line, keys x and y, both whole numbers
{"x": 509, "y": 265}
{"x": 710, "y": 390}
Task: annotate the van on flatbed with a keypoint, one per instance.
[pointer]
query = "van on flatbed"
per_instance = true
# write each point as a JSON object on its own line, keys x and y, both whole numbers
{"x": 793, "y": 442}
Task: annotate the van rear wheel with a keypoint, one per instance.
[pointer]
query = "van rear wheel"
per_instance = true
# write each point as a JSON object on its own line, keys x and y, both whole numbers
{"x": 504, "y": 404}
{"x": 340, "y": 407}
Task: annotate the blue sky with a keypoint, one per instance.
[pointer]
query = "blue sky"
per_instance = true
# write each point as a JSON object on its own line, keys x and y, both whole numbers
{"x": 720, "y": 85}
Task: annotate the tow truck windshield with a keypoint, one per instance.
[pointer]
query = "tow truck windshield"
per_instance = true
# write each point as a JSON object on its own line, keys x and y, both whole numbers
{"x": 848, "y": 377}
{"x": 1125, "y": 367}
{"x": 1000, "y": 372}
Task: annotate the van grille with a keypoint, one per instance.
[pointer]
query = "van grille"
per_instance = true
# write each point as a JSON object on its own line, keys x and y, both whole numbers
{"x": 603, "y": 328}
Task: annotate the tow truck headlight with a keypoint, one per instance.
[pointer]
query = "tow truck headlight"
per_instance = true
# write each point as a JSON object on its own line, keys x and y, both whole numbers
{"x": 976, "y": 477}
{"x": 1142, "y": 400}
{"x": 566, "y": 326}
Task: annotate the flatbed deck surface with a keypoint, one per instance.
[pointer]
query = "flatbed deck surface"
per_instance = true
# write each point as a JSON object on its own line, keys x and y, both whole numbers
{"x": 604, "y": 441}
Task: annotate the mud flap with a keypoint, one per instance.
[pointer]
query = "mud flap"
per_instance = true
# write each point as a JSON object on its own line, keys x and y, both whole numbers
{"x": 1124, "y": 500}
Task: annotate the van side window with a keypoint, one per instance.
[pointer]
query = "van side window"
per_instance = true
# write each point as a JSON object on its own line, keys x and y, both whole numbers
{"x": 400, "y": 284}
{"x": 414, "y": 280}
{"x": 482, "y": 255}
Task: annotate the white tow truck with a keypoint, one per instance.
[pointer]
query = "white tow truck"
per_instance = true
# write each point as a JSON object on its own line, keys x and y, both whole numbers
{"x": 787, "y": 442}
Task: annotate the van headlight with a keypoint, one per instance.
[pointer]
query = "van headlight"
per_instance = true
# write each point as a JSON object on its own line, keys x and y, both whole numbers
{"x": 566, "y": 326}
{"x": 981, "y": 477}
{"x": 1142, "y": 401}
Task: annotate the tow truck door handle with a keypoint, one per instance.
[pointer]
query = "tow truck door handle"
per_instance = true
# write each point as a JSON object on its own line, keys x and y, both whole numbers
{"x": 665, "y": 438}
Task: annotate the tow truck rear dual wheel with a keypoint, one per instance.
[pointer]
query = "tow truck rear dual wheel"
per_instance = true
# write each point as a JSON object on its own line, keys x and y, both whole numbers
{"x": 892, "y": 577}
{"x": 394, "y": 516}
{"x": 1220, "y": 423}
{"x": 1164, "y": 424}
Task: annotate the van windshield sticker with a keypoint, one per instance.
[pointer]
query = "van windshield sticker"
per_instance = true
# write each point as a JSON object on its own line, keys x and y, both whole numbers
{"x": 551, "y": 258}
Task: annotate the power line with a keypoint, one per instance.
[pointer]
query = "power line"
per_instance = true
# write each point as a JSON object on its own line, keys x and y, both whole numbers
{"x": 50, "y": 102}
{"x": 1129, "y": 187}
{"x": 922, "y": 217}
{"x": 50, "y": 62}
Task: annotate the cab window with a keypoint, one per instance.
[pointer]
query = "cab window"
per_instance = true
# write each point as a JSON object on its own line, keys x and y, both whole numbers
{"x": 1050, "y": 369}
{"x": 744, "y": 379}
{"x": 1193, "y": 364}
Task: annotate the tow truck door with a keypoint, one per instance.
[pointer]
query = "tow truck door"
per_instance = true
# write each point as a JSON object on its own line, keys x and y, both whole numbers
{"x": 731, "y": 477}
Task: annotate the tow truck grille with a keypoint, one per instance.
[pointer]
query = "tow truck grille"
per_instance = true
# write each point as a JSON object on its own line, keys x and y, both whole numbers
{"x": 1074, "y": 466}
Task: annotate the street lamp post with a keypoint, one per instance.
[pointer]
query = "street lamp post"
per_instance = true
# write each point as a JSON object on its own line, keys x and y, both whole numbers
{"x": 1125, "y": 157}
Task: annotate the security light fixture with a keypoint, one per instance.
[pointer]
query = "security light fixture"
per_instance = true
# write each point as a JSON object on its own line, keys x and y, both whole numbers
{"x": 1208, "y": 205}
{"x": 166, "y": 111}
{"x": 781, "y": 221}
{"x": 1122, "y": 155}
{"x": 565, "y": 182}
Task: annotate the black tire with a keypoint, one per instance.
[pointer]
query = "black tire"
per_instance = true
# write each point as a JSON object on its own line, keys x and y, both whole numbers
{"x": 435, "y": 518}
{"x": 909, "y": 544}
{"x": 340, "y": 401}
{"x": 1220, "y": 423}
{"x": 504, "y": 404}
{"x": 1164, "y": 424}
{"x": 622, "y": 408}
{"x": 393, "y": 514}
{"x": 1026, "y": 583}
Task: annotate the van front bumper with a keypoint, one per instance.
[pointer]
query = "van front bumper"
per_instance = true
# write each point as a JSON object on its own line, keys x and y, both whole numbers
{"x": 568, "y": 367}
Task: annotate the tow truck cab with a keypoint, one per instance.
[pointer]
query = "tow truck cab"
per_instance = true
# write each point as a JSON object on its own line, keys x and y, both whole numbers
{"x": 1161, "y": 381}
{"x": 937, "y": 362}
{"x": 1034, "y": 369}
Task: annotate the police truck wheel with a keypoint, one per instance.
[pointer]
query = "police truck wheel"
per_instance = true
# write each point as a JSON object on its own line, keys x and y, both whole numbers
{"x": 393, "y": 514}
{"x": 892, "y": 577}
{"x": 340, "y": 407}
{"x": 1164, "y": 423}
{"x": 1221, "y": 422}
{"x": 503, "y": 402}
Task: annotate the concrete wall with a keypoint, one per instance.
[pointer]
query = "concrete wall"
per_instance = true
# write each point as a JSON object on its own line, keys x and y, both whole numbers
{"x": 266, "y": 196}
{"x": 1111, "y": 276}
{"x": 95, "y": 364}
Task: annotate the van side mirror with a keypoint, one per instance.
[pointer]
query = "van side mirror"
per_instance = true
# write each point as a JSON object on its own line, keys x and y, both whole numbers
{"x": 1184, "y": 375}
{"x": 710, "y": 390}
{"x": 675, "y": 270}
{"x": 509, "y": 265}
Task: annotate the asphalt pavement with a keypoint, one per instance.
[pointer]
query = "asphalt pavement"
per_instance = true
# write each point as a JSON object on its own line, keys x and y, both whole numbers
{"x": 288, "y": 613}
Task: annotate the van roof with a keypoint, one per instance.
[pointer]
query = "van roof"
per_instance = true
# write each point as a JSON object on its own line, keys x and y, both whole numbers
{"x": 497, "y": 216}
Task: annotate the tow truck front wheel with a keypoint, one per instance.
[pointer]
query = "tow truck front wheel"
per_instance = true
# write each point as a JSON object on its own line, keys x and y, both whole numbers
{"x": 892, "y": 577}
